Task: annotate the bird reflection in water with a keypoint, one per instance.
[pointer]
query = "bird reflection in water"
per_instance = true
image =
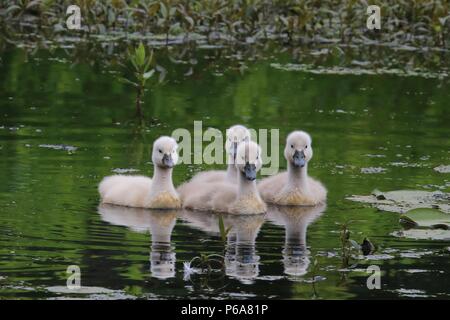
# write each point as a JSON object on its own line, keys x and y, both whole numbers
{"x": 295, "y": 220}
{"x": 159, "y": 223}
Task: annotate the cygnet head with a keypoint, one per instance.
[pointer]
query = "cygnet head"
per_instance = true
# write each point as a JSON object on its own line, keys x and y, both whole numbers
{"x": 248, "y": 159}
{"x": 235, "y": 135}
{"x": 298, "y": 150}
{"x": 164, "y": 153}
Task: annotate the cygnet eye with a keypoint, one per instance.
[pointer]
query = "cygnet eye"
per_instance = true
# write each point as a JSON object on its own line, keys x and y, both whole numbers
{"x": 292, "y": 146}
{"x": 160, "y": 151}
{"x": 306, "y": 147}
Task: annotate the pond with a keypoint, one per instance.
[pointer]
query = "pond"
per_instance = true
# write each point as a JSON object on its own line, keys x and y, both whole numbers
{"x": 64, "y": 126}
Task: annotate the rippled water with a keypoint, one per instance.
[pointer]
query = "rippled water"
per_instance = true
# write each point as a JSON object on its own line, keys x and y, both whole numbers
{"x": 63, "y": 127}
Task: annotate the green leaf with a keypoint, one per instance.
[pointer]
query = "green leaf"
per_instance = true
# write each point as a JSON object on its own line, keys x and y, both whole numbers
{"x": 164, "y": 11}
{"x": 140, "y": 55}
{"x": 190, "y": 21}
{"x": 337, "y": 51}
{"x": 12, "y": 9}
{"x": 222, "y": 229}
{"x": 162, "y": 73}
{"x": 133, "y": 62}
{"x": 124, "y": 80}
{"x": 149, "y": 61}
{"x": 33, "y": 3}
{"x": 149, "y": 74}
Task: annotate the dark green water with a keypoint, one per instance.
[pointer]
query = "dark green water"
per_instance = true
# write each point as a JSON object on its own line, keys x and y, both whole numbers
{"x": 48, "y": 197}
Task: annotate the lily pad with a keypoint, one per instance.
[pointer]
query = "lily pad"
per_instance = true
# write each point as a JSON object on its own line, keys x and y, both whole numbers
{"x": 442, "y": 169}
{"x": 81, "y": 290}
{"x": 423, "y": 234}
{"x": 426, "y": 218}
{"x": 59, "y": 147}
{"x": 372, "y": 170}
{"x": 401, "y": 201}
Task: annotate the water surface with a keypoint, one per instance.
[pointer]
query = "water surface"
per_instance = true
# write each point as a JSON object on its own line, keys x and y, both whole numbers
{"x": 64, "y": 126}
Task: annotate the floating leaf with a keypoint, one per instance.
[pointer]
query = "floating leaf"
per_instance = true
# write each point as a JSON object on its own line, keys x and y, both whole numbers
{"x": 443, "y": 169}
{"x": 401, "y": 201}
{"x": 372, "y": 170}
{"x": 426, "y": 218}
{"x": 81, "y": 290}
{"x": 423, "y": 234}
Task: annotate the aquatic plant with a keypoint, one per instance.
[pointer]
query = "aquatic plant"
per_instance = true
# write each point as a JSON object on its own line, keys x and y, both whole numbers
{"x": 328, "y": 34}
{"x": 418, "y": 23}
{"x": 141, "y": 60}
{"x": 348, "y": 245}
{"x": 209, "y": 268}
{"x": 314, "y": 270}
{"x": 206, "y": 265}
{"x": 401, "y": 201}
{"x": 223, "y": 231}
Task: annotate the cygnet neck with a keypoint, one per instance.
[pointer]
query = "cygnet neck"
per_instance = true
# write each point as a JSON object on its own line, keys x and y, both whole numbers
{"x": 246, "y": 187}
{"x": 161, "y": 231}
{"x": 296, "y": 234}
{"x": 162, "y": 177}
{"x": 246, "y": 236}
{"x": 297, "y": 176}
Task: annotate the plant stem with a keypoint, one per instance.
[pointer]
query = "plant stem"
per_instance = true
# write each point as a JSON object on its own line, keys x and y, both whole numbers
{"x": 138, "y": 102}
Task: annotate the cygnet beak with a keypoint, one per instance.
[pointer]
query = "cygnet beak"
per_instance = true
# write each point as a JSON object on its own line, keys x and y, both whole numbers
{"x": 299, "y": 159}
{"x": 167, "y": 161}
{"x": 250, "y": 171}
